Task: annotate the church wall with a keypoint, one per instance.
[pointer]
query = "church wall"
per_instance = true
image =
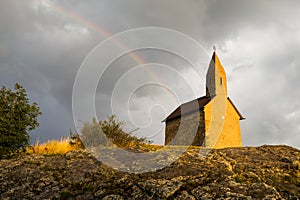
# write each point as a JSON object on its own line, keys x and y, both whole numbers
{"x": 230, "y": 135}
{"x": 215, "y": 112}
{"x": 208, "y": 115}
{"x": 189, "y": 123}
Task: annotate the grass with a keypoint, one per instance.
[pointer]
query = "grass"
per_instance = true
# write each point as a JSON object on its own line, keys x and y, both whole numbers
{"x": 51, "y": 147}
{"x": 63, "y": 145}
{"x": 152, "y": 147}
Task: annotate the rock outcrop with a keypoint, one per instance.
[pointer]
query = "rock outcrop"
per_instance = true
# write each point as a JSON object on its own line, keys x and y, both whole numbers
{"x": 266, "y": 172}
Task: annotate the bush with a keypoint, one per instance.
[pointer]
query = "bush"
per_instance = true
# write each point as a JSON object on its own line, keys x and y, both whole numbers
{"x": 108, "y": 131}
{"x": 75, "y": 141}
{"x": 91, "y": 135}
{"x": 17, "y": 118}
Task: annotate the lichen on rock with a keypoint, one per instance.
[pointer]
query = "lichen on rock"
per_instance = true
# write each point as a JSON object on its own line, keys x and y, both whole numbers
{"x": 266, "y": 172}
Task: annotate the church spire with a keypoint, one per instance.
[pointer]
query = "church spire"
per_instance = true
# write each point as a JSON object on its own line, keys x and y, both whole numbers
{"x": 216, "y": 82}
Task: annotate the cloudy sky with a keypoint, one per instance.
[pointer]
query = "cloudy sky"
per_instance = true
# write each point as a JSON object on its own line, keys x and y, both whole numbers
{"x": 43, "y": 44}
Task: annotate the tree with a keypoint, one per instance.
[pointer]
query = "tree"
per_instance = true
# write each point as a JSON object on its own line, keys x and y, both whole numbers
{"x": 17, "y": 118}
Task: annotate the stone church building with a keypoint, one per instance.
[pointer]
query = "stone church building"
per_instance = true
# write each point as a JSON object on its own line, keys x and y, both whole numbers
{"x": 210, "y": 121}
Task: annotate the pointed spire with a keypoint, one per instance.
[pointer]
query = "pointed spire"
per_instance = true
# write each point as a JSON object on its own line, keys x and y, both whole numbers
{"x": 216, "y": 77}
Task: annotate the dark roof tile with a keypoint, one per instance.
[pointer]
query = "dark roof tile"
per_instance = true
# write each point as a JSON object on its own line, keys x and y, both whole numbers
{"x": 189, "y": 107}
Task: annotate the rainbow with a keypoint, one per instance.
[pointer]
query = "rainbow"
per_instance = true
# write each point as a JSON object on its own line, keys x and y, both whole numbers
{"x": 93, "y": 26}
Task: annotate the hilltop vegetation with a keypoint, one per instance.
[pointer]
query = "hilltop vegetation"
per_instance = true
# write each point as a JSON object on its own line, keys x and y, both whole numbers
{"x": 266, "y": 172}
{"x": 18, "y": 117}
{"x": 107, "y": 133}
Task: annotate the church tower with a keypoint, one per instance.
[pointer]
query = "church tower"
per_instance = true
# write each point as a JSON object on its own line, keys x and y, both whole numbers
{"x": 216, "y": 82}
{"x": 222, "y": 126}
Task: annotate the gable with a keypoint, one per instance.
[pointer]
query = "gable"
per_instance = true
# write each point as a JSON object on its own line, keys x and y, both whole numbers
{"x": 237, "y": 111}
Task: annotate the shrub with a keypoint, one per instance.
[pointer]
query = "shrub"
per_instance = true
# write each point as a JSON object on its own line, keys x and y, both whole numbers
{"x": 92, "y": 135}
{"x": 108, "y": 131}
{"x": 75, "y": 141}
{"x": 17, "y": 118}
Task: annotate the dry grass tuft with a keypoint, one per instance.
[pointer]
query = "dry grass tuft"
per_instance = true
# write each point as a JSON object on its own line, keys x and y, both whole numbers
{"x": 152, "y": 147}
{"x": 61, "y": 146}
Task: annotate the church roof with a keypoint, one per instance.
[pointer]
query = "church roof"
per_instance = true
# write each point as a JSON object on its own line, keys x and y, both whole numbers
{"x": 191, "y": 107}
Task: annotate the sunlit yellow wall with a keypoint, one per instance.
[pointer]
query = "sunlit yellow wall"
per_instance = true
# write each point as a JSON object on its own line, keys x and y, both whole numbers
{"x": 230, "y": 133}
{"x": 221, "y": 89}
{"x": 208, "y": 115}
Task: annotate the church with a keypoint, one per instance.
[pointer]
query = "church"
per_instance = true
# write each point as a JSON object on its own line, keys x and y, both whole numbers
{"x": 211, "y": 121}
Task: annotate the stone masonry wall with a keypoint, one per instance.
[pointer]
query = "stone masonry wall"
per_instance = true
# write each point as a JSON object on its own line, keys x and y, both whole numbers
{"x": 191, "y": 132}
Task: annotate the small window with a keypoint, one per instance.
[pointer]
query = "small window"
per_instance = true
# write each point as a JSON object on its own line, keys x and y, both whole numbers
{"x": 220, "y": 80}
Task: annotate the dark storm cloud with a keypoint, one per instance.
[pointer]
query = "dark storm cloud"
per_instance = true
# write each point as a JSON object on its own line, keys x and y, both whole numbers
{"x": 267, "y": 89}
{"x": 258, "y": 42}
{"x": 41, "y": 54}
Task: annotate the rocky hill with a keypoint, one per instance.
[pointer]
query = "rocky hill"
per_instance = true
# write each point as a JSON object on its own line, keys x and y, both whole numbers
{"x": 266, "y": 172}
